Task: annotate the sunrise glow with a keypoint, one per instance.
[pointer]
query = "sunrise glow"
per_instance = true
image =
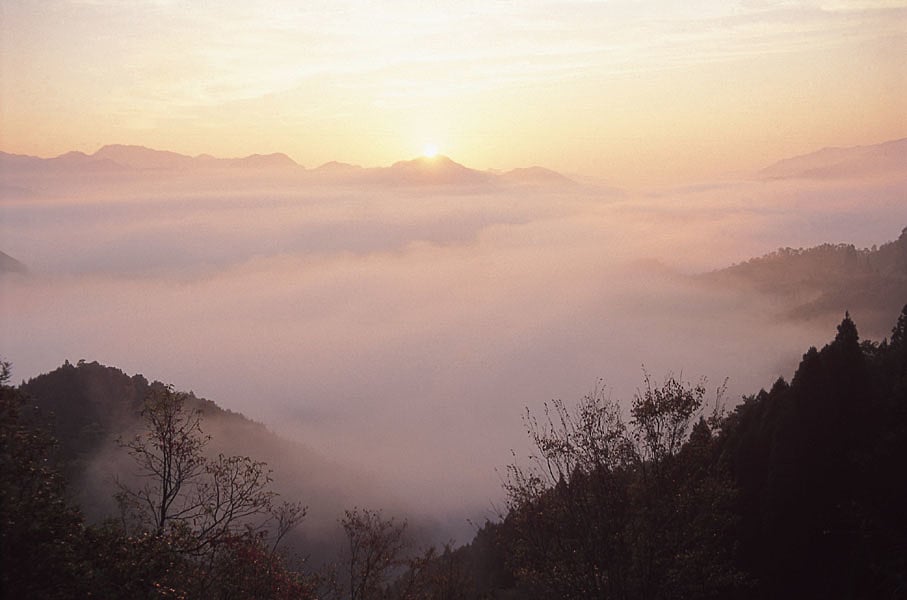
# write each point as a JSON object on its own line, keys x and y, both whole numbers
{"x": 604, "y": 89}
{"x": 338, "y": 299}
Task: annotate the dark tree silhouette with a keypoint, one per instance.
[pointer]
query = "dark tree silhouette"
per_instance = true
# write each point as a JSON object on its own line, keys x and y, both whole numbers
{"x": 214, "y": 513}
{"x": 611, "y": 511}
{"x": 40, "y": 534}
{"x": 374, "y": 551}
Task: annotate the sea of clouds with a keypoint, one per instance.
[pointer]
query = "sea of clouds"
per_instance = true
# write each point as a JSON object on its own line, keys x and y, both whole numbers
{"x": 403, "y": 330}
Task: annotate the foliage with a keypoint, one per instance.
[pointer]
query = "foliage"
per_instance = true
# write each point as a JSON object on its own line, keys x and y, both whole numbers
{"x": 169, "y": 455}
{"x": 820, "y": 509}
{"x": 378, "y": 563}
{"x": 39, "y": 531}
{"x": 49, "y": 552}
{"x": 821, "y": 281}
{"x": 662, "y": 417}
{"x": 206, "y": 500}
{"x": 795, "y": 493}
{"x": 435, "y": 575}
{"x": 373, "y": 553}
{"x": 617, "y": 511}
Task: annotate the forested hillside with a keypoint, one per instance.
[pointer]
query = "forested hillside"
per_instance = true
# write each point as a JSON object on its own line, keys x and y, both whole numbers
{"x": 89, "y": 407}
{"x": 828, "y": 279}
{"x": 795, "y": 493}
{"x": 194, "y": 527}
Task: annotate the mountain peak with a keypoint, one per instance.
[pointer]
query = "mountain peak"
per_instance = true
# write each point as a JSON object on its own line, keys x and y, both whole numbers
{"x": 8, "y": 264}
{"x": 437, "y": 170}
{"x": 270, "y": 161}
{"x": 140, "y": 157}
{"x": 73, "y": 154}
{"x": 536, "y": 176}
{"x": 836, "y": 162}
{"x": 336, "y": 166}
{"x": 438, "y": 161}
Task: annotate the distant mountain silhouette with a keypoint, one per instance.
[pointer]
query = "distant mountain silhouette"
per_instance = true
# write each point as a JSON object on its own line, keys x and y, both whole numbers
{"x": 8, "y": 264}
{"x": 338, "y": 167}
{"x": 276, "y": 160}
{"x": 140, "y": 157}
{"x": 81, "y": 161}
{"x": 888, "y": 158}
{"x": 123, "y": 158}
{"x": 66, "y": 163}
{"x": 536, "y": 176}
{"x": 423, "y": 171}
{"x": 829, "y": 163}
{"x": 18, "y": 162}
{"x": 826, "y": 280}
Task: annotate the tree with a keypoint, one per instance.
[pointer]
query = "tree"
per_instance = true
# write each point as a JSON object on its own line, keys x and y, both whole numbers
{"x": 435, "y": 575}
{"x": 40, "y": 533}
{"x": 192, "y": 532}
{"x": 611, "y": 511}
{"x": 820, "y": 511}
{"x": 662, "y": 417}
{"x": 169, "y": 456}
{"x": 205, "y": 499}
{"x": 375, "y": 547}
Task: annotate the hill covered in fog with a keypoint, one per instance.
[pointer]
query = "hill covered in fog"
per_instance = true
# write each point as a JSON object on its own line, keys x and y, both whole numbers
{"x": 8, "y": 264}
{"x": 89, "y": 407}
{"x": 792, "y": 494}
{"x": 833, "y": 163}
{"x": 828, "y": 279}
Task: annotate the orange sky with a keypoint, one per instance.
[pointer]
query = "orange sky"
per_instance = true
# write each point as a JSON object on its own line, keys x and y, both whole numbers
{"x": 636, "y": 92}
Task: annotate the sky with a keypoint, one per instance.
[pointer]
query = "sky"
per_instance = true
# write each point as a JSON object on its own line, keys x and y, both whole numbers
{"x": 608, "y": 89}
{"x": 404, "y": 330}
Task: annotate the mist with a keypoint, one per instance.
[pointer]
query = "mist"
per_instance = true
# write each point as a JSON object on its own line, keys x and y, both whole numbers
{"x": 403, "y": 330}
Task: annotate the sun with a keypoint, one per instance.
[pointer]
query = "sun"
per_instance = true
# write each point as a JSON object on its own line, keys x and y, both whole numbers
{"x": 429, "y": 151}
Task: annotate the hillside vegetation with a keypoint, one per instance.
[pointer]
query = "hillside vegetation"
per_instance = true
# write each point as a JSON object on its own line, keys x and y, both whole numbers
{"x": 827, "y": 280}
{"x": 795, "y": 493}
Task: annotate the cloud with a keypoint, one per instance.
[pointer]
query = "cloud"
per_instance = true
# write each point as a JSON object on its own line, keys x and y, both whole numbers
{"x": 404, "y": 331}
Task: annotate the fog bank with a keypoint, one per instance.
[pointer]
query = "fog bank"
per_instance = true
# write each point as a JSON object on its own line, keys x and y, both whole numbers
{"x": 403, "y": 330}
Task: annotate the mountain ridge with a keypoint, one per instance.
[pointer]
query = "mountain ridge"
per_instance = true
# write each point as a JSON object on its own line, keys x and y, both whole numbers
{"x": 873, "y": 160}
{"x": 839, "y": 162}
{"x": 420, "y": 171}
{"x": 9, "y": 264}
{"x": 89, "y": 406}
{"x": 826, "y": 280}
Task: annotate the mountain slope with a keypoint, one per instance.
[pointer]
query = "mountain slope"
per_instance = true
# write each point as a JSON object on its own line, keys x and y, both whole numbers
{"x": 8, "y": 264}
{"x": 90, "y": 406}
{"x": 536, "y": 176}
{"x": 118, "y": 157}
{"x": 828, "y": 163}
{"x": 418, "y": 172}
{"x": 139, "y": 157}
{"x": 796, "y": 491}
{"x": 11, "y": 164}
{"x": 276, "y": 160}
{"x": 828, "y": 280}
{"x": 439, "y": 170}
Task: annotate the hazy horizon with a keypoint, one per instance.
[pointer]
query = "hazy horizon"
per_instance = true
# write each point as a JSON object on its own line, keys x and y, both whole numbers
{"x": 400, "y": 318}
{"x": 404, "y": 330}
{"x": 600, "y": 89}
